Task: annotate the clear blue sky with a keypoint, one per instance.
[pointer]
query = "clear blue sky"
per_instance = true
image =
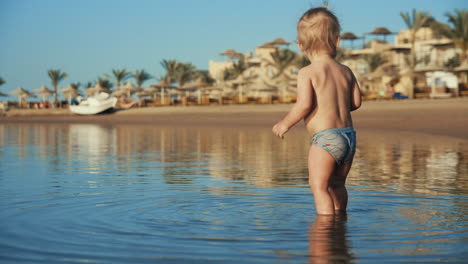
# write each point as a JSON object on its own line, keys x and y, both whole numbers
{"x": 86, "y": 38}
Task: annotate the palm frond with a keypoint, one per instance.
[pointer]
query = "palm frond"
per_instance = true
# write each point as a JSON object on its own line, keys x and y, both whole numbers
{"x": 185, "y": 72}
{"x": 171, "y": 67}
{"x": 374, "y": 61}
{"x": 141, "y": 76}
{"x": 281, "y": 59}
{"x": 105, "y": 83}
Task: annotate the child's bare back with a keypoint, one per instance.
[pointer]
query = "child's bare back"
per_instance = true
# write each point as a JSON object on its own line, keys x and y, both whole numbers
{"x": 335, "y": 94}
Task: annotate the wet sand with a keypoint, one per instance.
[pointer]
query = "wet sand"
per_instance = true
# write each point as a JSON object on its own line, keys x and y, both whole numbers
{"x": 448, "y": 117}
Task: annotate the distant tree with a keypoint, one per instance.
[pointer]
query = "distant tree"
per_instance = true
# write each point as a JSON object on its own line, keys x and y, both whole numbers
{"x": 185, "y": 72}
{"x": 414, "y": 21}
{"x": 119, "y": 76}
{"x": 374, "y": 61}
{"x": 141, "y": 76}
{"x": 301, "y": 61}
{"x": 239, "y": 67}
{"x": 456, "y": 31}
{"x": 56, "y": 76}
{"x": 228, "y": 74}
{"x": 171, "y": 70}
{"x": 105, "y": 83}
{"x": 89, "y": 85}
{"x": 205, "y": 77}
{"x": 75, "y": 85}
{"x": 453, "y": 62}
{"x": 2, "y": 81}
{"x": 341, "y": 55}
{"x": 281, "y": 59}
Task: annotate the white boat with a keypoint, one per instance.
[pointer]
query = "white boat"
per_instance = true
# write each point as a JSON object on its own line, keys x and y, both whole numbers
{"x": 94, "y": 105}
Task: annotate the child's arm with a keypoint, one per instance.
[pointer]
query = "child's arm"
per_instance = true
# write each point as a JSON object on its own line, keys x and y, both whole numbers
{"x": 355, "y": 95}
{"x": 300, "y": 109}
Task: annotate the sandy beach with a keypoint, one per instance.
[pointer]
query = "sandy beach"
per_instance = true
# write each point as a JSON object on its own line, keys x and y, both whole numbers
{"x": 448, "y": 117}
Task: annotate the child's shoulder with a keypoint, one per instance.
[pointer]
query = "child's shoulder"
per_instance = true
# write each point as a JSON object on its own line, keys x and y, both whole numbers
{"x": 320, "y": 68}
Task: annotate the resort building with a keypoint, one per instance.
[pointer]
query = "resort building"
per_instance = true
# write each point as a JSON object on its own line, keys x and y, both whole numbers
{"x": 383, "y": 69}
{"x": 258, "y": 80}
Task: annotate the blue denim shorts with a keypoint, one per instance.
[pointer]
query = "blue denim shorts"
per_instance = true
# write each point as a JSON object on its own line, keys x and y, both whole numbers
{"x": 339, "y": 142}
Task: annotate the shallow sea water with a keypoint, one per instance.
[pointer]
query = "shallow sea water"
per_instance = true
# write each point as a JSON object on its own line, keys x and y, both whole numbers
{"x": 142, "y": 194}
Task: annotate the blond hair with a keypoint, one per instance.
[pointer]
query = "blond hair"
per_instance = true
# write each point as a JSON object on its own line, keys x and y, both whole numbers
{"x": 318, "y": 30}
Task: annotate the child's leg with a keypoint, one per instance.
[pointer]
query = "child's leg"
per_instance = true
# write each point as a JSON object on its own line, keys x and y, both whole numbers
{"x": 337, "y": 186}
{"x": 321, "y": 168}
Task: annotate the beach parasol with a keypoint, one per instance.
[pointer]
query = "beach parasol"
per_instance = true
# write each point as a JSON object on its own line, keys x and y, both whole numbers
{"x": 98, "y": 88}
{"x": 151, "y": 91}
{"x": 163, "y": 85}
{"x": 44, "y": 92}
{"x": 280, "y": 41}
{"x": 22, "y": 94}
{"x": 119, "y": 93}
{"x": 129, "y": 89}
{"x": 232, "y": 54}
{"x": 268, "y": 45}
{"x": 381, "y": 31}
{"x": 349, "y": 36}
{"x": 196, "y": 85}
{"x": 70, "y": 92}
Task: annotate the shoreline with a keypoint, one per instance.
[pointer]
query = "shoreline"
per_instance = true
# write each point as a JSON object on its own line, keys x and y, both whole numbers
{"x": 444, "y": 117}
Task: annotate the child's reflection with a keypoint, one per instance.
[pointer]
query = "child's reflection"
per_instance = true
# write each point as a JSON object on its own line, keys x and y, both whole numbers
{"x": 327, "y": 240}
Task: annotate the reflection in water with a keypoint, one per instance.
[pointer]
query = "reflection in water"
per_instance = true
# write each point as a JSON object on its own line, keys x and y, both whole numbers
{"x": 327, "y": 240}
{"x": 425, "y": 164}
{"x": 223, "y": 194}
{"x": 406, "y": 161}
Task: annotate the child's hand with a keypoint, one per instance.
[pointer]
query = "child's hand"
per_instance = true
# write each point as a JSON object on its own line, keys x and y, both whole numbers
{"x": 279, "y": 130}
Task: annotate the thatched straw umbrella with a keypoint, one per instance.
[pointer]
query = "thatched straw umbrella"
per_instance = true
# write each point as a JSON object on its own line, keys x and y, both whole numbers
{"x": 162, "y": 85}
{"x": 349, "y": 36}
{"x": 96, "y": 89}
{"x": 70, "y": 92}
{"x": 153, "y": 91}
{"x": 197, "y": 85}
{"x": 232, "y": 54}
{"x": 22, "y": 94}
{"x": 382, "y": 31}
{"x": 280, "y": 41}
{"x": 44, "y": 92}
{"x": 119, "y": 93}
{"x": 129, "y": 89}
{"x": 268, "y": 45}
{"x": 241, "y": 81}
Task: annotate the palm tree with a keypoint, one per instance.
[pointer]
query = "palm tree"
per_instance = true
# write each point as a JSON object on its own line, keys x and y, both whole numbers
{"x": 105, "y": 83}
{"x": 119, "y": 76}
{"x": 89, "y": 85}
{"x": 458, "y": 31}
{"x": 239, "y": 67}
{"x": 228, "y": 74}
{"x": 1, "y": 81}
{"x": 205, "y": 77}
{"x": 185, "y": 72}
{"x": 281, "y": 60}
{"x": 75, "y": 85}
{"x": 374, "y": 61}
{"x": 141, "y": 76}
{"x": 414, "y": 22}
{"x": 171, "y": 68}
{"x": 301, "y": 61}
{"x": 56, "y": 76}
